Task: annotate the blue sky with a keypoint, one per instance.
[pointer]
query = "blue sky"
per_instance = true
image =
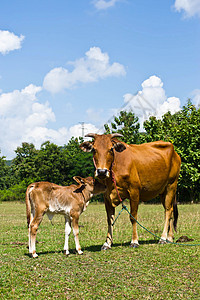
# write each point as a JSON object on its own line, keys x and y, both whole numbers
{"x": 66, "y": 62}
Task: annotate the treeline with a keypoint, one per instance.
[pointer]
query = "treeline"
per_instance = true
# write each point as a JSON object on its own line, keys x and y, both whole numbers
{"x": 50, "y": 163}
{"x": 59, "y": 164}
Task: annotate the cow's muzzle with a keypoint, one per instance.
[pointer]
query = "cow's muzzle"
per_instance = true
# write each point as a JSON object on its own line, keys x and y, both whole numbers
{"x": 102, "y": 173}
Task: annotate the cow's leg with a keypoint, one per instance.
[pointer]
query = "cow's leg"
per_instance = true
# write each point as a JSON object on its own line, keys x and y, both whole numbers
{"x": 134, "y": 202}
{"x": 76, "y": 232}
{"x": 168, "y": 198}
{"x": 67, "y": 233}
{"x": 110, "y": 210}
{"x": 170, "y": 235}
{"x": 33, "y": 227}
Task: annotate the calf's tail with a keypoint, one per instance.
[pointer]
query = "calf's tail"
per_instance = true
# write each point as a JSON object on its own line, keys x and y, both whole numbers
{"x": 28, "y": 206}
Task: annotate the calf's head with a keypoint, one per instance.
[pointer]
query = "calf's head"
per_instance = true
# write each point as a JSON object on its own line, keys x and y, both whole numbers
{"x": 103, "y": 147}
{"x": 90, "y": 184}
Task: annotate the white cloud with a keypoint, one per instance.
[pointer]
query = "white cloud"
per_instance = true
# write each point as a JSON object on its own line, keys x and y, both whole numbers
{"x": 94, "y": 66}
{"x": 20, "y": 114}
{"x": 190, "y": 7}
{"x": 151, "y": 100}
{"x": 77, "y": 130}
{"x": 196, "y": 98}
{"x": 171, "y": 104}
{"x": 9, "y": 41}
{"x": 24, "y": 119}
{"x": 103, "y": 4}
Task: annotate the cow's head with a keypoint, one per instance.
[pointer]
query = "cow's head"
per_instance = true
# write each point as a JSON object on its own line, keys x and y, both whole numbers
{"x": 103, "y": 147}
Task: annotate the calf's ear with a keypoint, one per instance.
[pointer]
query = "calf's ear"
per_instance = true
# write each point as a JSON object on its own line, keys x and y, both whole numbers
{"x": 81, "y": 184}
{"x": 79, "y": 179}
{"x": 119, "y": 147}
{"x": 86, "y": 146}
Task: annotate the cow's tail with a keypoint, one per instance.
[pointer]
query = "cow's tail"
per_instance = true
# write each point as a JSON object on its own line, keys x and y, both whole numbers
{"x": 175, "y": 211}
{"x": 28, "y": 204}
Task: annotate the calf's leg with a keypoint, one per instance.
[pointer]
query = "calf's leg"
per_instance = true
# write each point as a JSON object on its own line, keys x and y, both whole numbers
{"x": 33, "y": 227}
{"x": 67, "y": 233}
{"x": 76, "y": 232}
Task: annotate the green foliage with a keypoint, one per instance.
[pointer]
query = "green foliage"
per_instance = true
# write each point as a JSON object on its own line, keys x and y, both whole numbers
{"x": 52, "y": 164}
{"x": 4, "y": 174}
{"x": 183, "y": 130}
{"x": 23, "y": 165}
{"x": 127, "y": 125}
{"x": 15, "y": 192}
{"x": 81, "y": 163}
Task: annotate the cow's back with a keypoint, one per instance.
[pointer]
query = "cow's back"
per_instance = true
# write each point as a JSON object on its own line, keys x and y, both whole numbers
{"x": 149, "y": 167}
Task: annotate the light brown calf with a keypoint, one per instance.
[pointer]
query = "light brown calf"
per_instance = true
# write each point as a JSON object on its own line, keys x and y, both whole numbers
{"x": 50, "y": 198}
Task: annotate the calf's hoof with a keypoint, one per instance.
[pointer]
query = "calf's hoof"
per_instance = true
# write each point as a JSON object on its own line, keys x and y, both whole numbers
{"x": 33, "y": 255}
{"x": 80, "y": 252}
{"x": 162, "y": 242}
{"x": 134, "y": 245}
{"x": 66, "y": 252}
{"x": 105, "y": 246}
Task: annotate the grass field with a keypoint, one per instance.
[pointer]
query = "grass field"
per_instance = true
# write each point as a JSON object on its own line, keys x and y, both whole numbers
{"x": 151, "y": 271}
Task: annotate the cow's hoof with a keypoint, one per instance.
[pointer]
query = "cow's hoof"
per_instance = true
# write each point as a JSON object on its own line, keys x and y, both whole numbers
{"x": 134, "y": 245}
{"x": 80, "y": 252}
{"x": 105, "y": 247}
{"x": 66, "y": 252}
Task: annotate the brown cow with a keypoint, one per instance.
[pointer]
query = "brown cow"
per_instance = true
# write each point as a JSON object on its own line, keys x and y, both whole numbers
{"x": 50, "y": 198}
{"x": 141, "y": 172}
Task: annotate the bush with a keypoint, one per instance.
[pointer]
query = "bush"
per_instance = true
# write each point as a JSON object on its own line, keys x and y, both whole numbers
{"x": 16, "y": 192}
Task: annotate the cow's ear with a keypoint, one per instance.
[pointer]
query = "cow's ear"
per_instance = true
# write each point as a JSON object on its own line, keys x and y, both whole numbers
{"x": 86, "y": 146}
{"x": 119, "y": 147}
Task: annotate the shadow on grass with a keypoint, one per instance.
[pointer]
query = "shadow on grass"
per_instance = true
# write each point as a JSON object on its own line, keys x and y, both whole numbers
{"x": 96, "y": 248}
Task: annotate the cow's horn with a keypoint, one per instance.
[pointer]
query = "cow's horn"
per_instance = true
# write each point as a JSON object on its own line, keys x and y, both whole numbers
{"x": 90, "y": 135}
{"x": 116, "y": 135}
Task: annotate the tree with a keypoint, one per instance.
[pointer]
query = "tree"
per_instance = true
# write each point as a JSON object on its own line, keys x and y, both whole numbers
{"x": 187, "y": 143}
{"x": 81, "y": 163}
{"x": 126, "y": 124}
{"x": 5, "y": 178}
{"x": 52, "y": 164}
{"x": 182, "y": 129}
{"x": 24, "y": 164}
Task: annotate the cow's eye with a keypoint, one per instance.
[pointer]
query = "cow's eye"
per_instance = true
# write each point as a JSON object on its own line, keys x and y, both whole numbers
{"x": 93, "y": 150}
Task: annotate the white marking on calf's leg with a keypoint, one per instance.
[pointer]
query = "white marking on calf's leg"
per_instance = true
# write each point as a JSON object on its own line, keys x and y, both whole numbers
{"x": 134, "y": 242}
{"x": 34, "y": 255}
{"x": 67, "y": 233}
{"x": 105, "y": 246}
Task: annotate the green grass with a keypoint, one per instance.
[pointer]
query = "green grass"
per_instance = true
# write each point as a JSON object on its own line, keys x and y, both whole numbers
{"x": 151, "y": 271}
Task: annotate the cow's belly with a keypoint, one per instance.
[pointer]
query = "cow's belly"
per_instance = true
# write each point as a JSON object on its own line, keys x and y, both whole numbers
{"x": 55, "y": 207}
{"x": 150, "y": 191}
